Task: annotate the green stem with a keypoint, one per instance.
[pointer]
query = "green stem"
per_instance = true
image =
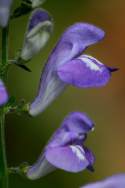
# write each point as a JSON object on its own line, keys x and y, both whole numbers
{"x": 4, "y": 67}
{"x": 3, "y": 161}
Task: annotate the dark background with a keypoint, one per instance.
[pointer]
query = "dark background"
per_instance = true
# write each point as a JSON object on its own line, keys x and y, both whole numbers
{"x": 27, "y": 136}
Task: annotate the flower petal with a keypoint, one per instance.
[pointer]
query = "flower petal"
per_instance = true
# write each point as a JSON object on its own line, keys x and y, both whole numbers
{"x": 70, "y": 158}
{"x": 38, "y": 16}
{"x": 72, "y": 130}
{"x": 38, "y": 33}
{"x": 61, "y": 138}
{"x": 36, "y": 3}
{"x": 3, "y": 94}
{"x": 84, "y": 72}
{"x": 116, "y": 181}
{"x": 4, "y": 12}
{"x": 74, "y": 40}
{"x": 47, "y": 93}
{"x": 41, "y": 168}
{"x": 78, "y": 122}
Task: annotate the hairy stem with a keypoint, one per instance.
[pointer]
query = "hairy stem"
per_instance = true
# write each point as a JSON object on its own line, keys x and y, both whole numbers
{"x": 3, "y": 71}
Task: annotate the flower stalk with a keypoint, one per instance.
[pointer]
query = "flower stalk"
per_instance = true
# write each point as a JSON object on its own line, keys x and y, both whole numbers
{"x": 4, "y": 64}
{"x": 3, "y": 161}
{"x": 4, "y": 67}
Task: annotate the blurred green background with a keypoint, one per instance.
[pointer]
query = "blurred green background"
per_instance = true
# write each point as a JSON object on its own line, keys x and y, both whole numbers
{"x": 25, "y": 136}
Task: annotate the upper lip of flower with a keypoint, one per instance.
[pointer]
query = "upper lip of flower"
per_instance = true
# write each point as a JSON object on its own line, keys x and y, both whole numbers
{"x": 38, "y": 16}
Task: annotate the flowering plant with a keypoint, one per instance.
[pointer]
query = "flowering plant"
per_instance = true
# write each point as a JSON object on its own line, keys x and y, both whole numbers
{"x": 65, "y": 66}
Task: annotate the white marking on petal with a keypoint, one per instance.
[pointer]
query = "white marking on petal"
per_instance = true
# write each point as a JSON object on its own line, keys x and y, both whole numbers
{"x": 92, "y": 58}
{"x": 88, "y": 60}
{"x": 78, "y": 151}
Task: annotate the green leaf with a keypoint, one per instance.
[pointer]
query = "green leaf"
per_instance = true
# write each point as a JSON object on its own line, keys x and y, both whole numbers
{"x": 22, "y": 10}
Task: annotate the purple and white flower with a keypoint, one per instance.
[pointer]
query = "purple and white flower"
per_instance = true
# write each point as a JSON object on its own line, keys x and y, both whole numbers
{"x": 38, "y": 32}
{"x": 5, "y": 6}
{"x": 116, "y": 181}
{"x": 3, "y": 94}
{"x": 65, "y": 150}
{"x": 66, "y": 66}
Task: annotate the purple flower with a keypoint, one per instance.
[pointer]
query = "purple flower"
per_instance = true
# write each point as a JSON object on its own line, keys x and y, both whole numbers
{"x": 38, "y": 32}
{"x": 66, "y": 65}
{"x": 4, "y": 12}
{"x": 3, "y": 94}
{"x": 66, "y": 149}
{"x": 116, "y": 181}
